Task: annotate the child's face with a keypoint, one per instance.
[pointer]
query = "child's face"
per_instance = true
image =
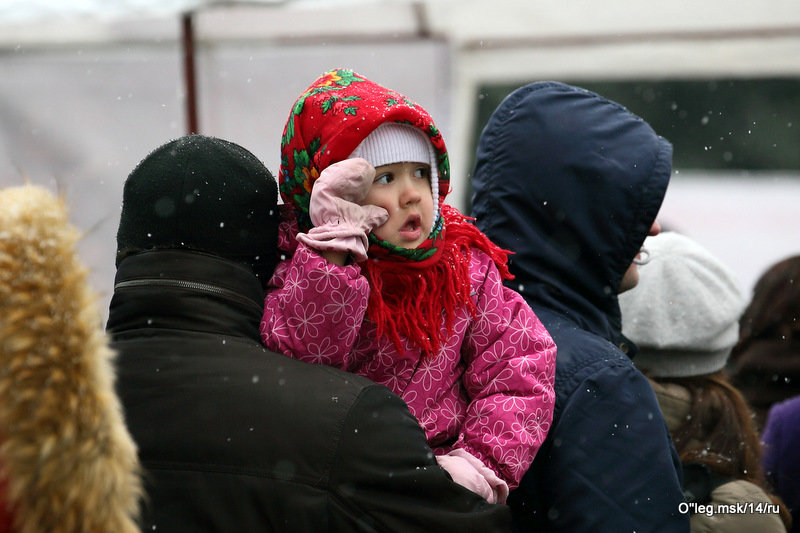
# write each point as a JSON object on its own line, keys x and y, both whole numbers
{"x": 404, "y": 190}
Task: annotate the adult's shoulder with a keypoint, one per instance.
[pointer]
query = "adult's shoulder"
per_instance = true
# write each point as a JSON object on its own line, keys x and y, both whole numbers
{"x": 786, "y": 410}
{"x": 739, "y": 507}
{"x": 583, "y": 355}
{"x": 781, "y": 430}
{"x": 739, "y": 490}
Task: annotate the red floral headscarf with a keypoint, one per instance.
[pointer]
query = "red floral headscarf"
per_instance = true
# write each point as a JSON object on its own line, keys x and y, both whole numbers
{"x": 330, "y": 119}
{"x": 326, "y": 124}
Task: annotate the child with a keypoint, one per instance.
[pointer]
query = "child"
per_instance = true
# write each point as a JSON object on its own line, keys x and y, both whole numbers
{"x": 418, "y": 304}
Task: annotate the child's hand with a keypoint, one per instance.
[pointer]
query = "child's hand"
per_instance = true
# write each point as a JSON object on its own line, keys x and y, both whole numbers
{"x": 468, "y": 471}
{"x": 349, "y": 180}
{"x": 340, "y": 223}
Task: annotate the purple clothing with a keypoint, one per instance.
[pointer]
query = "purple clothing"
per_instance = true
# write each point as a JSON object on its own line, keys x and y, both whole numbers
{"x": 781, "y": 457}
{"x": 488, "y": 391}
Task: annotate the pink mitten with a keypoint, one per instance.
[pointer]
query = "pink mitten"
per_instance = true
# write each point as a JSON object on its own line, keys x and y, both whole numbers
{"x": 465, "y": 474}
{"x": 340, "y": 223}
{"x": 489, "y": 486}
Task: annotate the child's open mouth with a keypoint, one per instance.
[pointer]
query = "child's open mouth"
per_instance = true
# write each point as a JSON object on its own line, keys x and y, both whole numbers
{"x": 411, "y": 229}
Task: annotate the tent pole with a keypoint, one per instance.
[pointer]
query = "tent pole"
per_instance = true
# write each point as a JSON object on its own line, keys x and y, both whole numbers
{"x": 189, "y": 73}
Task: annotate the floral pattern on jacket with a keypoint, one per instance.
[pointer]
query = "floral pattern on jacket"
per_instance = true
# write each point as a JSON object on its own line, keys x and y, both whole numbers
{"x": 490, "y": 388}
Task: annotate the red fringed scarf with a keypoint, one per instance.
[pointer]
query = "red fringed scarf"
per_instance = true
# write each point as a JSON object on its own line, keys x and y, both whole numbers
{"x": 412, "y": 299}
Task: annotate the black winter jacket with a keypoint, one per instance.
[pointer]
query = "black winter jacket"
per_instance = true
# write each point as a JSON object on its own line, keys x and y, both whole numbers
{"x": 236, "y": 438}
{"x": 571, "y": 183}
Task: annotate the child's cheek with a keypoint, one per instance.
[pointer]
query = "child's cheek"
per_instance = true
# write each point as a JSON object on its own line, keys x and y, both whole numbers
{"x": 379, "y": 233}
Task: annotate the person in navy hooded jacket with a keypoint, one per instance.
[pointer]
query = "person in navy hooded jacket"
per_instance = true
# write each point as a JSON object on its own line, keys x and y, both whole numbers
{"x": 572, "y": 183}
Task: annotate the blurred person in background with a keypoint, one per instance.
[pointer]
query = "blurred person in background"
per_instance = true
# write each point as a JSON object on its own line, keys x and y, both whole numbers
{"x": 683, "y": 315}
{"x": 781, "y": 459}
{"x": 67, "y": 461}
{"x": 765, "y": 364}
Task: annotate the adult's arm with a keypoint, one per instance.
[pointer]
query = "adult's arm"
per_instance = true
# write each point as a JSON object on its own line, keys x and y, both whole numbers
{"x": 385, "y": 477}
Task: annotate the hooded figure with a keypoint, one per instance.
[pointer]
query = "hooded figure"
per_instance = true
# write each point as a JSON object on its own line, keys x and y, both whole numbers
{"x": 67, "y": 461}
{"x": 571, "y": 183}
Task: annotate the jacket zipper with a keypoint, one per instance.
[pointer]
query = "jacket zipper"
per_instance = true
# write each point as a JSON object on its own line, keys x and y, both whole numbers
{"x": 192, "y": 285}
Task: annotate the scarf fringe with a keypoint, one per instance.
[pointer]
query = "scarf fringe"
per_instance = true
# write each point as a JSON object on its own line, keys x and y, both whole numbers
{"x": 414, "y": 299}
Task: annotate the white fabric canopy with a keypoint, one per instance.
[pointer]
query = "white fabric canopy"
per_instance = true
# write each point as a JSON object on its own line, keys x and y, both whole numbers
{"x": 88, "y": 87}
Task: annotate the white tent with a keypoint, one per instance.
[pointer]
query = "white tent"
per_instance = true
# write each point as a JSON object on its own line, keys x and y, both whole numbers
{"x": 88, "y": 87}
{"x": 476, "y": 41}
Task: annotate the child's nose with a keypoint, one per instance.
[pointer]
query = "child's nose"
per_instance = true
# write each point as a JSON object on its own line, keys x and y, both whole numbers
{"x": 409, "y": 194}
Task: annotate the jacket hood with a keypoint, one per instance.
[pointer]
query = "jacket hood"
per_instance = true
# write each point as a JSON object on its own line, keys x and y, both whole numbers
{"x": 68, "y": 460}
{"x": 571, "y": 183}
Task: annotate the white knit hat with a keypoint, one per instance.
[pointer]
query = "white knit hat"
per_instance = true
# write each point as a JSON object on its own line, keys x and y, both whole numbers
{"x": 400, "y": 143}
{"x": 684, "y": 313}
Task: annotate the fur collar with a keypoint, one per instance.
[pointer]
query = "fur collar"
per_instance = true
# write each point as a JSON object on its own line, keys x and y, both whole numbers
{"x": 66, "y": 457}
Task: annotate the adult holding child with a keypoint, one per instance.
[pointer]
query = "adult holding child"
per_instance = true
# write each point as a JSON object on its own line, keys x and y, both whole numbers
{"x": 234, "y": 437}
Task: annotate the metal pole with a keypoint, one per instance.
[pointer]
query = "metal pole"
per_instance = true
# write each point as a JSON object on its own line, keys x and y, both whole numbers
{"x": 189, "y": 73}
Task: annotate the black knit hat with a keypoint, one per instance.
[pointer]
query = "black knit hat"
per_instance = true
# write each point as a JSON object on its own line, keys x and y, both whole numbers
{"x": 205, "y": 194}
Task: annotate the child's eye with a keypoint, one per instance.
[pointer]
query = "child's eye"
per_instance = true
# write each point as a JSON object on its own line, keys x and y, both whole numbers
{"x": 383, "y": 178}
{"x": 422, "y": 172}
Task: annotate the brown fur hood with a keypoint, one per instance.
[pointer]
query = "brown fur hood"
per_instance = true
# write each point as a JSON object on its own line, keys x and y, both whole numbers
{"x": 67, "y": 459}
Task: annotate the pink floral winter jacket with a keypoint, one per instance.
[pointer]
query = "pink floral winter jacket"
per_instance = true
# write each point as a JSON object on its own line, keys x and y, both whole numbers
{"x": 489, "y": 390}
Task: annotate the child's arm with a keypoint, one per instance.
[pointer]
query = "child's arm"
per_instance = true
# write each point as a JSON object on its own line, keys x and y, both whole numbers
{"x": 315, "y": 304}
{"x": 313, "y": 309}
{"x": 509, "y": 377}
